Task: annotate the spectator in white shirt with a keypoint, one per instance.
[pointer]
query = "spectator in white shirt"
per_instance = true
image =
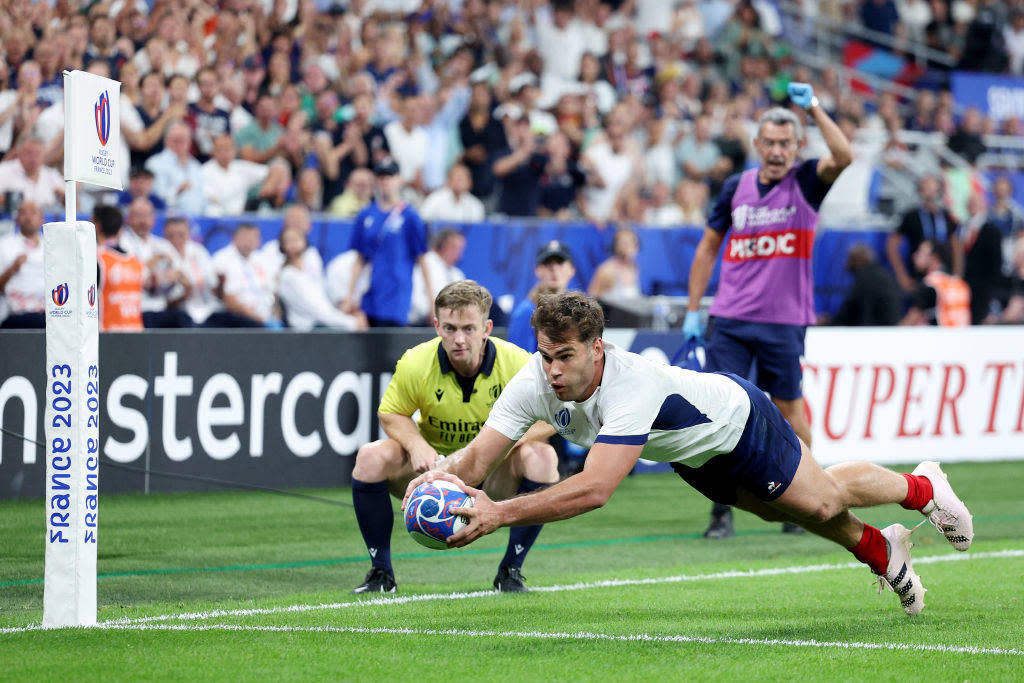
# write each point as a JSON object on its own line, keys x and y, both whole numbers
{"x": 611, "y": 165}
{"x": 176, "y": 173}
{"x": 247, "y": 292}
{"x": 453, "y": 202}
{"x": 303, "y": 300}
{"x": 163, "y": 283}
{"x": 228, "y": 181}
{"x": 561, "y": 41}
{"x": 440, "y": 262}
{"x": 193, "y": 261}
{"x": 662, "y": 212}
{"x": 28, "y": 177}
{"x": 1013, "y": 35}
{"x": 21, "y": 271}
{"x": 338, "y": 275}
{"x": 296, "y": 217}
{"x": 407, "y": 140}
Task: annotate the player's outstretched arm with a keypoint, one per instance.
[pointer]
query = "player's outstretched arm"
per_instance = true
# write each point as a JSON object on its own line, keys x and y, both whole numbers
{"x": 604, "y": 470}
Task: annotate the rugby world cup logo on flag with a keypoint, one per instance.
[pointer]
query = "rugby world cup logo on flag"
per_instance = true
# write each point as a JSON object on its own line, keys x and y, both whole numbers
{"x": 60, "y": 294}
{"x": 92, "y": 295}
{"x": 102, "y": 111}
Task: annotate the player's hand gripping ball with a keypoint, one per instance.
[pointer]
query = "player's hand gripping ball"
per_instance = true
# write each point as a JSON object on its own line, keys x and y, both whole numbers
{"x": 427, "y": 514}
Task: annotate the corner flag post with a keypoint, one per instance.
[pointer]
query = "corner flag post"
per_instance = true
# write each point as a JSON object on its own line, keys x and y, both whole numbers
{"x": 92, "y": 139}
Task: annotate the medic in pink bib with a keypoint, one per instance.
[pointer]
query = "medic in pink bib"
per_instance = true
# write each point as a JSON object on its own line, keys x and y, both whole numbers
{"x": 766, "y": 218}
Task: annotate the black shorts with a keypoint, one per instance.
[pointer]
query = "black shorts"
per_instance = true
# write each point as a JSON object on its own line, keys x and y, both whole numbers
{"x": 763, "y": 462}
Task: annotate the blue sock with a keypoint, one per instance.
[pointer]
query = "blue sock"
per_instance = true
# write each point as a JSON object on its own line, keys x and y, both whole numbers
{"x": 521, "y": 538}
{"x": 375, "y": 517}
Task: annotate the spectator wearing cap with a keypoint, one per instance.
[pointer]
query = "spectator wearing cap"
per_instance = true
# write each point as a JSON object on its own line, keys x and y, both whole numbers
{"x": 554, "y": 271}
{"x": 140, "y": 184}
{"x": 231, "y": 183}
{"x": 453, "y": 202}
{"x": 519, "y": 168}
{"x": 205, "y": 118}
{"x": 390, "y": 237}
{"x": 482, "y": 137}
{"x": 176, "y": 173}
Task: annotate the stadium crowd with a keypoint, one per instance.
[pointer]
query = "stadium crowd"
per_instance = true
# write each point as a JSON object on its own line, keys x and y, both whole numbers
{"x": 613, "y": 112}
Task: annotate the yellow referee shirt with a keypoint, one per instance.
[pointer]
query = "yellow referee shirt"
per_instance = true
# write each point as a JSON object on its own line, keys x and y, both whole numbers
{"x": 452, "y": 408}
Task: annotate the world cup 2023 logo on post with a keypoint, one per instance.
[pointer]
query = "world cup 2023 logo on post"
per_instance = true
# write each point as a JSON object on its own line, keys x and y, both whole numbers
{"x": 102, "y": 113}
{"x": 60, "y": 295}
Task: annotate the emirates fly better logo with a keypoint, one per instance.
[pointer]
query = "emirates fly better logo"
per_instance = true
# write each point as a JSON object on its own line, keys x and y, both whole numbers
{"x": 60, "y": 294}
{"x": 102, "y": 112}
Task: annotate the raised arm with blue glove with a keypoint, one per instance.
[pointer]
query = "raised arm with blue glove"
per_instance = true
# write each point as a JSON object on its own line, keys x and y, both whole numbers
{"x": 802, "y": 95}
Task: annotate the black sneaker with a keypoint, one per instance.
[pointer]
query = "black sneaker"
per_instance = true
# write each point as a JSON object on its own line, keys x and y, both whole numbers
{"x": 721, "y": 526}
{"x": 790, "y": 528}
{"x": 509, "y": 580}
{"x": 377, "y": 581}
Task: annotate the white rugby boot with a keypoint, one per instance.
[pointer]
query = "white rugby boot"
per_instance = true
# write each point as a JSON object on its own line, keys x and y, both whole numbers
{"x": 900, "y": 575}
{"x": 946, "y": 511}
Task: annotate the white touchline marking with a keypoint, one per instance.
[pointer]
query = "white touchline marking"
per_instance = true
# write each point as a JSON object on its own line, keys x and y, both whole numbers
{"x": 575, "y": 635}
{"x": 584, "y": 585}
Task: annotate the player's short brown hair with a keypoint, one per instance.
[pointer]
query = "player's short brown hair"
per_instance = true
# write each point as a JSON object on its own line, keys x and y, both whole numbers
{"x": 463, "y": 293}
{"x": 567, "y": 317}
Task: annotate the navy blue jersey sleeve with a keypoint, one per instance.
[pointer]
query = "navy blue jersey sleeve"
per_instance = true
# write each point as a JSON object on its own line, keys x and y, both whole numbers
{"x": 720, "y": 219}
{"x": 812, "y": 186}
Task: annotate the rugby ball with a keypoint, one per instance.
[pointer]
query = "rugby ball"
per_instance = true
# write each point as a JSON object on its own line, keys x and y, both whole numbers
{"x": 427, "y": 516}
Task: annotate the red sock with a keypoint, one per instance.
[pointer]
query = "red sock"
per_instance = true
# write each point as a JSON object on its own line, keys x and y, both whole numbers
{"x": 919, "y": 492}
{"x": 871, "y": 550}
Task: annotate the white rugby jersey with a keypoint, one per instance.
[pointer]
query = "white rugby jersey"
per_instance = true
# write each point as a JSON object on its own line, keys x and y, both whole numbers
{"x": 677, "y": 415}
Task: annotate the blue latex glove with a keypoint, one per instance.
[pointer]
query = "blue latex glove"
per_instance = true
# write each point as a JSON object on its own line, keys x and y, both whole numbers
{"x": 693, "y": 325}
{"x": 802, "y": 94}
{"x": 273, "y": 324}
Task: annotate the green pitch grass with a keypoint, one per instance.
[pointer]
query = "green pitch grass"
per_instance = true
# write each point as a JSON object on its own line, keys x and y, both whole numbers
{"x": 672, "y": 606}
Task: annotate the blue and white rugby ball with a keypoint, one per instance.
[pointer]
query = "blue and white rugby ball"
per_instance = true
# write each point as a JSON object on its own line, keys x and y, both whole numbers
{"x": 427, "y": 516}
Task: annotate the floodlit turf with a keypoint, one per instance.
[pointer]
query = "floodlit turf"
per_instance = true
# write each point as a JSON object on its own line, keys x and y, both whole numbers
{"x": 627, "y": 592}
